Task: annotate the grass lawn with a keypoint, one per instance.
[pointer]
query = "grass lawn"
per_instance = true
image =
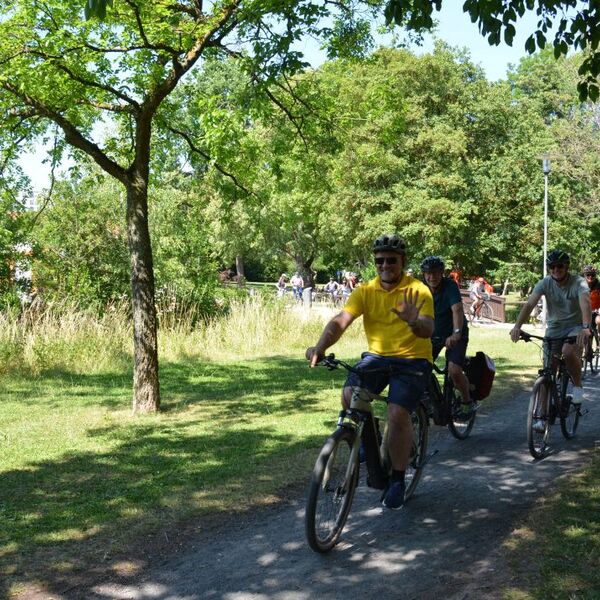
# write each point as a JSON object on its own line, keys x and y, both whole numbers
{"x": 554, "y": 554}
{"x": 80, "y": 478}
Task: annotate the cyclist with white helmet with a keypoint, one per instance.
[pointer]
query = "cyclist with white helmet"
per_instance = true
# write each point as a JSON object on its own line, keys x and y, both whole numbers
{"x": 397, "y": 313}
{"x": 568, "y": 313}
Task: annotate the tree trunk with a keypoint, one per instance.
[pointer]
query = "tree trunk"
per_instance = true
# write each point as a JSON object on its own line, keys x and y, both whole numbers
{"x": 146, "y": 394}
{"x": 239, "y": 269}
{"x": 304, "y": 267}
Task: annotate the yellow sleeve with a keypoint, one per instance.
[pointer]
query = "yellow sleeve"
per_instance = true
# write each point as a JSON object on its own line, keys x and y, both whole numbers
{"x": 355, "y": 303}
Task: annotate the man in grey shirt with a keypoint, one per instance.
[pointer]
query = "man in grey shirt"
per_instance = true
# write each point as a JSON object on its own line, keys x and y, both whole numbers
{"x": 568, "y": 313}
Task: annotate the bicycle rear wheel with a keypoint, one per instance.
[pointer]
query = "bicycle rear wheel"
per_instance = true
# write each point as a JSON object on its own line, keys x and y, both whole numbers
{"x": 569, "y": 415}
{"x": 414, "y": 470}
{"x": 331, "y": 490}
{"x": 485, "y": 313}
{"x": 459, "y": 423}
{"x": 538, "y": 422}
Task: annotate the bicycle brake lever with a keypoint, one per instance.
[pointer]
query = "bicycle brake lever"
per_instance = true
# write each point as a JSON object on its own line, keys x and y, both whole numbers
{"x": 327, "y": 362}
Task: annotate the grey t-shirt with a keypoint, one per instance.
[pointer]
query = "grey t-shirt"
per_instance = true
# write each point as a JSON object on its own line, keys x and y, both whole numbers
{"x": 564, "y": 311}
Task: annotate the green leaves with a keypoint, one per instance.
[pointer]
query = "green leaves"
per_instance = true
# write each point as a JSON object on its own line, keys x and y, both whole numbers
{"x": 578, "y": 25}
{"x": 96, "y": 9}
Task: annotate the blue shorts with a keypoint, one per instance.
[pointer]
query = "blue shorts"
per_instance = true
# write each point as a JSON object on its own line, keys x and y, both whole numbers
{"x": 456, "y": 354}
{"x": 405, "y": 389}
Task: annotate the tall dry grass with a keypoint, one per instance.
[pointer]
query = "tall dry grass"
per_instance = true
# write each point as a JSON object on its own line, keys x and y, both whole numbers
{"x": 66, "y": 337}
{"x": 253, "y": 327}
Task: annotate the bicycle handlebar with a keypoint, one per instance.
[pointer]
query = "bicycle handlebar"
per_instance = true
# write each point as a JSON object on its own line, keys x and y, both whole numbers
{"x": 526, "y": 337}
{"x": 331, "y": 362}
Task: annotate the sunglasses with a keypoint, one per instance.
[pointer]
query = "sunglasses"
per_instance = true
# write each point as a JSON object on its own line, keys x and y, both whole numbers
{"x": 557, "y": 266}
{"x": 390, "y": 260}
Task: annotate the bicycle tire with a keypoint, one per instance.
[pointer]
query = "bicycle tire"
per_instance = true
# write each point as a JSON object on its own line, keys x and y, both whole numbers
{"x": 538, "y": 440}
{"x": 568, "y": 415}
{"x": 414, "y": 470}
{"x": 595, "y": 352}
{"x": 459, "y": 426}
{"x": 586, "y": 359}
{"x": 486, "y": 315}
{"x": 330, "y": 495}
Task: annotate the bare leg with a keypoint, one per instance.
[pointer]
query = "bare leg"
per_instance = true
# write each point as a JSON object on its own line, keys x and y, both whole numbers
{"x": 460, "y": 381}
{"x": 401, "y": 435}
{"x": 572, "y": 354}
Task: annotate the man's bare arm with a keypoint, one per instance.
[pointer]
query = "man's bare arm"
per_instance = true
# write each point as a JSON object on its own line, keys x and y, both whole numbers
{"x": 331, "y": 334}
{"x": 422, "y": 327}
{"x": 524, "y": 315}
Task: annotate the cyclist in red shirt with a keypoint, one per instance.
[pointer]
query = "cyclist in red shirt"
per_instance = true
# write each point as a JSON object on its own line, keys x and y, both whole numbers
{"x": 591, "y": 276}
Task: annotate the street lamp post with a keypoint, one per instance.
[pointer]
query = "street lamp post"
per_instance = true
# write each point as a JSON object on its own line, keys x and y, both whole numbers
{"x": 546, "y": 169}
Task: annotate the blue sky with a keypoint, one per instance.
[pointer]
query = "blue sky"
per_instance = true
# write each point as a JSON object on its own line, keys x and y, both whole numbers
{"x": 455, "y": 28}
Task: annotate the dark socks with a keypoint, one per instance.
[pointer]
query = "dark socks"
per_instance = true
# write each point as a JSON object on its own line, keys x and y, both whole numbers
{"x": 397, "y": 475}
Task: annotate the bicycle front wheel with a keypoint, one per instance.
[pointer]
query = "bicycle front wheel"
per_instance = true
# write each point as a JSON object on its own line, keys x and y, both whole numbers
{"x": 586, "y": 359}
{"x": 460, "y": 423}
{"x": 538, "y": 422}
{"x": 420, "y": 423}
{"x": 331, "y": 490}
{"x": 595, "y": 352}
{"x": 569, "y": 415}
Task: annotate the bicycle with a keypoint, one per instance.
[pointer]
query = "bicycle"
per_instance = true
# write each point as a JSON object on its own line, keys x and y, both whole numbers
{"x": 483, "y": 312}
{"x": 550, "y": 397}
{"x": 335, "y": 475}
{"x": 446, "y": 405}
{"x": 591, "y": 354}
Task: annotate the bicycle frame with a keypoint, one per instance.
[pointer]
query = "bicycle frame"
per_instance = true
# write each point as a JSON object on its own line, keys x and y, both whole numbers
{"x": 543, "y": 409}
{"x": 359, "y": 413}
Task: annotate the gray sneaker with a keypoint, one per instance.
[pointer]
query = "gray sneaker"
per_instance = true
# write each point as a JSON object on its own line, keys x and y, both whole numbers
{"x": 578, "y": 394}
{"x": 539, "y": 425}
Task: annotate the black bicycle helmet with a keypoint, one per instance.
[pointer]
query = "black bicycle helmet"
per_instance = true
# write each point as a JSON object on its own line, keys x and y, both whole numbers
{"x": 432, "y": 263}
{"x": 590, "y": 270}
{"x": 389, "y": 243}
{"x": 557, "y": 257}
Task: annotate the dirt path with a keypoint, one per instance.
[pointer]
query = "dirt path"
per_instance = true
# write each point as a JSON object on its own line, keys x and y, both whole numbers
{"x": 443, "y": 544}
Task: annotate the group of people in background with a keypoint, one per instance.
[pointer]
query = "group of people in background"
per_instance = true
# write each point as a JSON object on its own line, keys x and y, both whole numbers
{"x": 296, "y": 282}
{"x": 337, "y": 291}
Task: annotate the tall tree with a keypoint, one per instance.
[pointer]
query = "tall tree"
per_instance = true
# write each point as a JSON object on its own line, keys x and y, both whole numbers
{"x": 57, "y": 69}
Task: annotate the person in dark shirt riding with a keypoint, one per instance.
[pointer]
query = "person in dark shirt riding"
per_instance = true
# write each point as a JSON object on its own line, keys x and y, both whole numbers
{"x": 450, "y": 326}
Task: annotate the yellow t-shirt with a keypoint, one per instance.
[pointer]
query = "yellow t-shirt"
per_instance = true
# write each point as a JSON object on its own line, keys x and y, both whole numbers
{"x": 387, "y": 334}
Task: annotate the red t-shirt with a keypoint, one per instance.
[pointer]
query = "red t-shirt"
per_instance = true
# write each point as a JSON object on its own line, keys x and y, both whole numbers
{"x": 595, "y": 295}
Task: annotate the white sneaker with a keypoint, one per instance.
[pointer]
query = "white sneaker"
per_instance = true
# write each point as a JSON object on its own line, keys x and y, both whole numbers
{"x": 577, "y": 396}
{"x": 539, "y": 426}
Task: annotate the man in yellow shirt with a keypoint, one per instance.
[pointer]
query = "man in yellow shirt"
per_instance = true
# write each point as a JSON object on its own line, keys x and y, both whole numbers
{"x": 397, "y": 313}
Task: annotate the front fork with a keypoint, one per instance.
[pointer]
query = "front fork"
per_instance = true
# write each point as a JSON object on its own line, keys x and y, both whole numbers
{"x": 353, "y": 460}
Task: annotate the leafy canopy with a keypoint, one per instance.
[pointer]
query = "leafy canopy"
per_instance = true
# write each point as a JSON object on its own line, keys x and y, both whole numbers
{"x": 577, "y": 26}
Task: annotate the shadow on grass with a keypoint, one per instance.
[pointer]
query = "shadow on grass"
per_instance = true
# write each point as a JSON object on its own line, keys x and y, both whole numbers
{"x": 60, "y": 516}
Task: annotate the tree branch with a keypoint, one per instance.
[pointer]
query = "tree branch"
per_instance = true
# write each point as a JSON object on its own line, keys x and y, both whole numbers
{"x": 206, "y": 156}
{"x": 72, "y": 134}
